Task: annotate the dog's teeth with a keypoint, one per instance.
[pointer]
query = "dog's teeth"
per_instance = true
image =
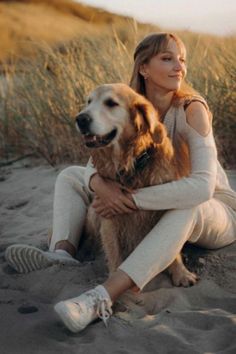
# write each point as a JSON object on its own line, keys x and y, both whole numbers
{"x": 94, "y": 138}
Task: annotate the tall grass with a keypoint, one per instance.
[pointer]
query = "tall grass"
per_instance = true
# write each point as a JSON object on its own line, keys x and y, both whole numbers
{"x": 41, "y": 97}
{"x": 212, "y": 71}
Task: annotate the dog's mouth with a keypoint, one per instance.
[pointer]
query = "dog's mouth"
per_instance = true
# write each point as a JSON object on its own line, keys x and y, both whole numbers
{"x": 96, "y": 141}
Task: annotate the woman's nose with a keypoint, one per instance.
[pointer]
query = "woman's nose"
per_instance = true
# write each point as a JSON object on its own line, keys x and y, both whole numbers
{"x": 178, "y": 65}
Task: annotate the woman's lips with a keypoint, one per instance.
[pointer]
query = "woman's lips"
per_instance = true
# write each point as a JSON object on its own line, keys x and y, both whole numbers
{"x": 176, "y": 76}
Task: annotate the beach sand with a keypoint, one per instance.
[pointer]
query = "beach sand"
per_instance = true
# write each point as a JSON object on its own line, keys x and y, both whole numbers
{"x": 162, "y": 319}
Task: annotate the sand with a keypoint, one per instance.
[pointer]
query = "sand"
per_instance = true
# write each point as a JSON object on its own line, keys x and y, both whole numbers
{"x": 162, "y": 319}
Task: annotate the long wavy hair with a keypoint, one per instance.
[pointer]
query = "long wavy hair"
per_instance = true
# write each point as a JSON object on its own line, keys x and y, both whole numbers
{"x": 150, "y": 46}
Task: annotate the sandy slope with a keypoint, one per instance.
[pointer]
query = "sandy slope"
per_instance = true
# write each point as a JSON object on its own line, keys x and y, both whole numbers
{"x": 164, "y": 319}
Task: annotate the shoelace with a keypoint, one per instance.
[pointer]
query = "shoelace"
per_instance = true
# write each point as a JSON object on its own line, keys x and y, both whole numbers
{"x": 104, "y": 310}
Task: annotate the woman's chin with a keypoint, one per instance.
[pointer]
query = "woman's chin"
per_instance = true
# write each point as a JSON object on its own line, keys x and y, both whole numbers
{"x": 175, "y": 87}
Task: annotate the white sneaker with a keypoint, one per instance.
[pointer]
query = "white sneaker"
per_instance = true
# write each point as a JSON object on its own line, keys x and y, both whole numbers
{"x": 25, "y": 259}
{"x": 78, "y": 312}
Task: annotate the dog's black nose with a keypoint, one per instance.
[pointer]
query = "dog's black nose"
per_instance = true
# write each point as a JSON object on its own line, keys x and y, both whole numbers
{"x": 83, "y": 121}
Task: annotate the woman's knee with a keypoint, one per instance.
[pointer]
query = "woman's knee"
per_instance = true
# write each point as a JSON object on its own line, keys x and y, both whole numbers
{"x": 185, "y": 221}
{"x": 71, "y": 175}
{"x": 181, "y": 214}
{"x": 72, "y": 178}
{"x": 218, "y": 225}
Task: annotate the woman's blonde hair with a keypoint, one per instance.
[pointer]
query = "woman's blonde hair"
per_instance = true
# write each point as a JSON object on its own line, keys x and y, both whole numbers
{"x": 150, "y": 46}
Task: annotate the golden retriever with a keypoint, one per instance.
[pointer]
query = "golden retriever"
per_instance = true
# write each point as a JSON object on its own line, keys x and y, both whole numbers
{"x": 130, "y": 145}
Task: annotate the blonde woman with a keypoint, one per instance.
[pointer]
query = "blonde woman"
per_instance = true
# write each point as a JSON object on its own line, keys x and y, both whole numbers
{"x": 201, "y": 207}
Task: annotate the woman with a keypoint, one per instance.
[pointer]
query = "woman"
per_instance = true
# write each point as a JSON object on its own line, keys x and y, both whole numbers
{"x": 201, "y": 207}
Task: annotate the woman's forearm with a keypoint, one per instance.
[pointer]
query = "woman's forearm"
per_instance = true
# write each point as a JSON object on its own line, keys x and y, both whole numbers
{"x": 95, "y": 182}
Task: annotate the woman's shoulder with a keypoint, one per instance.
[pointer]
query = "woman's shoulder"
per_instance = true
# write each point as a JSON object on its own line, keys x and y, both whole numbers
{"x": 193, "y": 115}
{"x": 185, "y": 101}
{"x": 198, "y": 118}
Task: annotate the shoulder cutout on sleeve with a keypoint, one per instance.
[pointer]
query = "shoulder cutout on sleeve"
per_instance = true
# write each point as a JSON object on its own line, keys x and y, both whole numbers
{"x": 198, "y": 118}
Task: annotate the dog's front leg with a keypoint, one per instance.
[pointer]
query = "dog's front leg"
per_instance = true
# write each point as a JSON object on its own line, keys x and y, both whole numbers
{"x": 110, "y": 243}
{"x": 180, "y": 274}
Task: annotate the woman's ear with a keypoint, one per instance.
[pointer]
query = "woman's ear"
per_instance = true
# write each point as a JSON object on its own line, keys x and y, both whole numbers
{"x": 143, "y": 71}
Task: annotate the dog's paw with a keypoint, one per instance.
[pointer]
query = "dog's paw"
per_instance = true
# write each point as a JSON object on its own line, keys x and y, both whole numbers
{"x": 184, "y": 278}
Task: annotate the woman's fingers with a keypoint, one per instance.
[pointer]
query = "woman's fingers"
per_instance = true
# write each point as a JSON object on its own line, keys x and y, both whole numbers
{"x": 123, "y": 204}
{"x": 123, "y": 207}
{"x": 107, "y": 215}
{"x": 128, "y": 190}
{"x": 103, "y": 210}
{"x": 128, "y": 201}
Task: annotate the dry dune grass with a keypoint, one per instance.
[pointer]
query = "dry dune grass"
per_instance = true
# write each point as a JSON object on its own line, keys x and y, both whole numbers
{"x": 23, "y": 27}
{"x": 42, "y": 97}
{"x": 84, "y": 12}
{"x": 25, "y": 22}
{"x": 212, "y": 71}
{"x": 40, "y": 94}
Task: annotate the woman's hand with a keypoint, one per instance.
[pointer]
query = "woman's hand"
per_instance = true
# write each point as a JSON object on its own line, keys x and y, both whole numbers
{"x": 111, "y": 198}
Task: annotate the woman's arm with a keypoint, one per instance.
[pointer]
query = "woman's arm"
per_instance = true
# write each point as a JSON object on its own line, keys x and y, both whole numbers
{"x": 90, "y": 171}
{"x": 200, "y": 185}
{"x": 110, "y": 197}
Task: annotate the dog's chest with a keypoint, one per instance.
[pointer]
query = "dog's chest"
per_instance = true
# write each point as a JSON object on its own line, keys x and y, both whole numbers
{"x": 103, "y": 162}
{"x": 130, "y": 229}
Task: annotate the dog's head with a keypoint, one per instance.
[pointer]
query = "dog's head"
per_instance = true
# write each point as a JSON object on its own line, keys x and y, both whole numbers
{"x": 114, "y": 111}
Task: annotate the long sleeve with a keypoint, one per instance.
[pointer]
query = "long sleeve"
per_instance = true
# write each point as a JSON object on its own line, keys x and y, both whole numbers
{"x": 189, "y": 191}
{"x": 89, "y": 172}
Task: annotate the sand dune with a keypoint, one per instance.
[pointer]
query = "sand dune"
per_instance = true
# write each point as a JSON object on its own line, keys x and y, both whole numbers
{"x": 163, "y": 319}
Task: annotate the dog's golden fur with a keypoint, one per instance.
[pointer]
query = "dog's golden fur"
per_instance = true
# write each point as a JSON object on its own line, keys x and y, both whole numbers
{"x": 141, "y": 132}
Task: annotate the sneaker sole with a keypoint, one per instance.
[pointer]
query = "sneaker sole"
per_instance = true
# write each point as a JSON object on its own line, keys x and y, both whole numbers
{"x": 25, "y": 259}
{"x": 62, "y": 311}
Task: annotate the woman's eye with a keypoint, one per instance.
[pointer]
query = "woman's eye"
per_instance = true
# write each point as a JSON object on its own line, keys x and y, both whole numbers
{"x": 182, "y": 60}
{"x": 166, "y": 58}
{"x": 111, "y": 103}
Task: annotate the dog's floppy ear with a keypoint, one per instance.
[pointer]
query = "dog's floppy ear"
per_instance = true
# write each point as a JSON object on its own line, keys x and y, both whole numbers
{"x": 147, "y": 119}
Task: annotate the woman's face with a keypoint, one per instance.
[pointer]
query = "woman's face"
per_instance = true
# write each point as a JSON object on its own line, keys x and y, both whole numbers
{"x": 167, "y": 69}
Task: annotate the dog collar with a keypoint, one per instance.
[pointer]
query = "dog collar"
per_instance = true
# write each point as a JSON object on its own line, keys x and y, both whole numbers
{"x": 140, "y": 163}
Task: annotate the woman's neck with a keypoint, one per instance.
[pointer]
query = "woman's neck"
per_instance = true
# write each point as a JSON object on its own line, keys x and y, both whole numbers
{"x": 160, "y": 100}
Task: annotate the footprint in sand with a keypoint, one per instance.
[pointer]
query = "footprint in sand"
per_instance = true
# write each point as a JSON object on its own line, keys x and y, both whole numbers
{"x": 26, "y": 309}
{"x": 17, "y": 205}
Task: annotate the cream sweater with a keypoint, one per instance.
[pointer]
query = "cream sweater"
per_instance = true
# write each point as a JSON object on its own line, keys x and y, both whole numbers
{"x": 206, "y": 180}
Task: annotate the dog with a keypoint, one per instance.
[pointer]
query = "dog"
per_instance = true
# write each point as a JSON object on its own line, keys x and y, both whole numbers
{"x": 128, "y": 144}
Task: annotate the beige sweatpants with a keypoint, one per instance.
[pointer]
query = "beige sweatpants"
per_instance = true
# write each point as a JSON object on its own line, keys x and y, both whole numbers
{"x": 211, "y": 225}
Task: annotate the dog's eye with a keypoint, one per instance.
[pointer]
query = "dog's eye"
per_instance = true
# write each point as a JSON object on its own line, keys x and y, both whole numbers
{"x": 89, "y": 101}
{"x": 111, "y": 103}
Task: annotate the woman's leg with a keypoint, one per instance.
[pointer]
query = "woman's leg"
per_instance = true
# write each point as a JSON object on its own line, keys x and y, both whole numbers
{"x": 218, "y": 223}
{"x": 155, "y": 252}
{"x": 71, "y": 200}
{"x": 70, "y": 206}
{"x": 211, "y": 224}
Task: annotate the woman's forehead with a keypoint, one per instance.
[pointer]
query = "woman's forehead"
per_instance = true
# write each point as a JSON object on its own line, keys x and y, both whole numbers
{"x": 174, "y": 46}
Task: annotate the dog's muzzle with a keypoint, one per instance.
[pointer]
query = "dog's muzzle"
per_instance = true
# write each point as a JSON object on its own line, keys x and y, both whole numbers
{"x": 83, "y": 121}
